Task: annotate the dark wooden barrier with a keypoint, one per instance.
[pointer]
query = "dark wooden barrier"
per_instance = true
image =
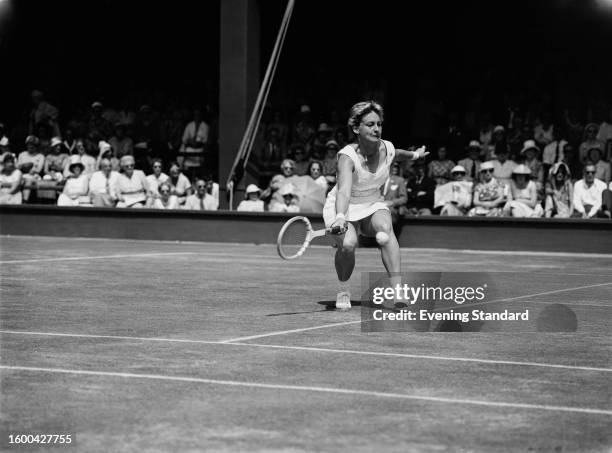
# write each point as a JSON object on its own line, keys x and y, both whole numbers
{"x": 559, "y": 235}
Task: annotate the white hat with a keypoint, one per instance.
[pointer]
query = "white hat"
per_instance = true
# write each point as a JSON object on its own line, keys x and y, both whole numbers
{"x": 103, "y": 146}
{"x": 475, "y": 144}
{"x": 499, "y": 128}
{"x": 331, "y": 143}
{"x": 521, "y": 170}
{"x": 529, "y": 144}
{"x": 56, "y": 141}
{"x": 305, "y": 109}
{"x": 252, "y": 188}
{"x": 4, "y": 141}
{"x": 458, "y": 169}
{"x": 287, "y": 189}
{"x": 487, "y": 166}
{"x": 96, "y": 104}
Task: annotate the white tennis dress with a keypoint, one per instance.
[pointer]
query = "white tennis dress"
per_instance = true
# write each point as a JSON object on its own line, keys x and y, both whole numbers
{"x": 366, "y": 197}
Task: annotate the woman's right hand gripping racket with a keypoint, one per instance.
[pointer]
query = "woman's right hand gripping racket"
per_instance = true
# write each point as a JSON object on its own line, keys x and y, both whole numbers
{"x": 296, "y": 234}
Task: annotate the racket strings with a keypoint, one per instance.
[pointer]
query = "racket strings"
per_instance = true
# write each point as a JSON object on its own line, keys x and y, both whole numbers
{"x": 294, "y": 238}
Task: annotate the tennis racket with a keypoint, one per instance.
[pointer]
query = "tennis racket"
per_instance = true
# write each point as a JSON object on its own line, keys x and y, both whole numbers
{"x": 295, "y": 237}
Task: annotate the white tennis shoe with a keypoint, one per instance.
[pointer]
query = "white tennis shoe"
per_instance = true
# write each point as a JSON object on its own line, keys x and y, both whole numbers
{"x": 343, "y": 300}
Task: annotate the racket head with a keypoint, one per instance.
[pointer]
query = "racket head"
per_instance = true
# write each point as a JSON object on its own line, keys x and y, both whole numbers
{"x": 294, "y": 238}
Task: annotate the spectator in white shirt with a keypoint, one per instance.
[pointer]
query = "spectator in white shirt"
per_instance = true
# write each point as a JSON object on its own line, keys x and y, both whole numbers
{"x": 588, "y": 194}
{"x": 132, "y": 186}
{"x": 10, "y": 181}
{"x": 290, "y": 201}
{"x": 195, "y": 137}
{"x": 602, "y": 168}
{"x": 590, "y": 141}
{"x": 252, "y": 203}
{"x": 181, "y": 187}
{"x": 165, "y": 200}
{"x": 201, "y": 200}
{"x": 156, "y": 178}
{"x": 103, "y": 185}
{"x": 502, "y": 166}
{"x": 472, "y": 162}
{"x": 76, "y": 187}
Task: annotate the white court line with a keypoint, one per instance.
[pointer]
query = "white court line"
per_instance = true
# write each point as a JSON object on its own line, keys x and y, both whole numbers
{"x": 343, "y": 391}
{"x": 307, "y": 348}
{"x": 317, "y": 246}
{"x": 285, "y": 332}
{"x": 77, "y": 258}
{"x": 325, "y": 326}
{"x": 428, "y": 357}
{"x": 556, "y": 291}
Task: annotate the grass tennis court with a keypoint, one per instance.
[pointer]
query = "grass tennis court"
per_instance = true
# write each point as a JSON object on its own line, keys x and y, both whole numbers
{"x": 159, "y": 346}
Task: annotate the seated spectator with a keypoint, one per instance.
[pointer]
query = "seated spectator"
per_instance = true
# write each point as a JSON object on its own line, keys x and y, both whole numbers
{"x": 181, "y": 187}
{"x": 165, "y": 200}
{"x": 605, "y": 133}
{"x": 315, "y": 171}
{"x": 559, "y": 192}
{"x": 439, "y": 168}
{"x": 303, "y": 132}
{"x": 324, "y": 134}
{"x": 97, "y": 124}
{"x": 43, "y": 113}
{"x": 251, "y": 203}
{"x": 76, "y": 189}
{"x": 570, "y": 158}
{"x": 588, "y": 195}
{"x": 489, "y": 194}
{"x": 195, "y": 139}
{"x": 472, "y": 162}
{"x": 455, "y": 197}
{"x": 589, "y": 141}
{"x": 330, "y": 161}
{"x": 301, "y": 161}
{"x": 103, "y": 185}
{"x": 529, "y": 152}
{"x": 420, "y": 191}
{"x": 122, "y": 144}
{"x": 602, "y": 168}
{"x": 290, "y": 201}
{"x": 553, "y": 152}
{"x": 499, "y": 137}
{"x": 88, "y": 161}
{"x": 107, "y": 152}
{"x": 544, "y": 130}
{"x": 395, "y": 194}
{"x": 156, "y": 178}
{"x": 10, "y": 181}
{"x": 340, "y": 137}
{"x": 272, "y": 193}
{"x": 201, "y": 200}
{"x": 132, "y": 186}
{"x": 55, "y": 161}
{"x": 523, "y": 195}
{"x": 31, "y": 163}
{"x": 502, "y": 166}
{"x": 280, "y": 125}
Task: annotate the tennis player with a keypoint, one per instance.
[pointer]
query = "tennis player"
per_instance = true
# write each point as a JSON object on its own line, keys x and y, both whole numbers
{"x": 356, "y": 205}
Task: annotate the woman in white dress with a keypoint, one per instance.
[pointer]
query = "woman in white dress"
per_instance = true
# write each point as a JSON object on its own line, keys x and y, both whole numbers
{"x": 356, "y": 202}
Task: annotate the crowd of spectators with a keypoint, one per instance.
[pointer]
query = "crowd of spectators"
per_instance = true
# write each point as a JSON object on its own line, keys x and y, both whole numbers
{"x": 526, "y": 166}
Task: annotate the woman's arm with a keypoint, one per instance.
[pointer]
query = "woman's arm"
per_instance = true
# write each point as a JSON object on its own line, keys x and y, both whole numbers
{"x": 345, "y": 184}
{"x": 533, "y": 195}
{"x": 16, "y": 186}
{"x": 414, "y": 155}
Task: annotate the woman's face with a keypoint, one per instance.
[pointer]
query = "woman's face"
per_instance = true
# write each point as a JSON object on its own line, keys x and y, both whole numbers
{"x": 254, "y": 196}
{"x": 530, "y": 154}
{"x": 487, "y": 174}
{"x": 300, "y": 155}
{"x": 32, "y": 148}
{"x": 164, "y": 192}
{"x": 76, "y": 171}
{"x": 288, "y": 199}
{"x": 287, "y": 169}
{"x": 175, "y": 171}
{"x": 80, "y": 147}
{"x": 370, "y": 128}
{"x": 157, "y": 168}
{"x": 315, "y": 171}
{"x": 521, "y": 180}
{"x": 560, "y": 176}
{"x": 128, "y": 167}
{"x": 441, "y": 153}
{"x": 458, "y": 176}
{"x": 9, "y": 166}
